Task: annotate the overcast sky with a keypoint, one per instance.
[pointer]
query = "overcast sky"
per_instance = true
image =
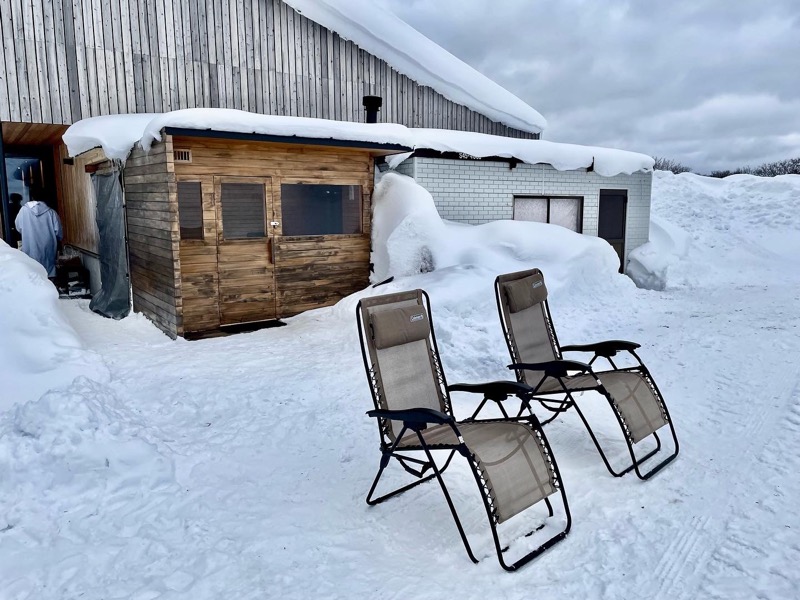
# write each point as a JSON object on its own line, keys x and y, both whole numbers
{"x": 713, "y": 84}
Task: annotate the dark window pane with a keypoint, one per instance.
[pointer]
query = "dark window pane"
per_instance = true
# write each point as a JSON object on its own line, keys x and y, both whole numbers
{"x": 190, "y": 210}
{"x": 611, "y": 224}
{"x": 242, "y": 211}
{"x": 320, "y": 209}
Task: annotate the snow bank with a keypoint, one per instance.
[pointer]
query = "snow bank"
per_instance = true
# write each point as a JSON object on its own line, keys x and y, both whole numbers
{"x": 703, "y": 226}
{"x": 117, "y": 134}
{"x": 650, "y": 266}
{"x": 409, "y": 237}
{"x": 405, "y": 228}
{"x": 76, "y": 450}
{"x": 386, "y": 36}
{"x": 39, "y": 350}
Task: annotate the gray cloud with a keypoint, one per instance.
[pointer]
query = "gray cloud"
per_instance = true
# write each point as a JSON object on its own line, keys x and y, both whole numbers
{"x": 714, "y": 84}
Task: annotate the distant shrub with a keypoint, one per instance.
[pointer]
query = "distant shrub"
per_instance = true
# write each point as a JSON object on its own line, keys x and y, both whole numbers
{"x": 667, "y": 164}
{"x": 725, "y": 173}
{"x": 790, "y": 166}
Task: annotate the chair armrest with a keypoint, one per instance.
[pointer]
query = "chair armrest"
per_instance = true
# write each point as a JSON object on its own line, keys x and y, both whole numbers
{"x": 414, "y": 416}
{"x": 554, "y": 368}
{"x": 494, "y": 390}
{"x": 607, "y": 348}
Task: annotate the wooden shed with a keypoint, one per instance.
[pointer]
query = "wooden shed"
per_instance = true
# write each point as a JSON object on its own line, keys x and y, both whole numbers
{"x": 228, "y": 228}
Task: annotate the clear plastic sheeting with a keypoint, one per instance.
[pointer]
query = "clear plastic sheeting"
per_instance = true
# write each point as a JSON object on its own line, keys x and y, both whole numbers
{"x": 113, "y": 299}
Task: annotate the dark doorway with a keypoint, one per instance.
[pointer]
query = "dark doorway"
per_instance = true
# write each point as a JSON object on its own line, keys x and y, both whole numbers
{"x": 27, "y": 169}
{"x": 611, "y": 224}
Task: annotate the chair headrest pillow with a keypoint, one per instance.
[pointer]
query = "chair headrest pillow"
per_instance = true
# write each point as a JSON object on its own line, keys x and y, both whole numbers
{"x": 524, "y": 293}
{"x": 397, "y": 326}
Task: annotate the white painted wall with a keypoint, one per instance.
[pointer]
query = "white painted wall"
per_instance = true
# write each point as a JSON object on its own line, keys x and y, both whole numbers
{"x": 476, "y": 192}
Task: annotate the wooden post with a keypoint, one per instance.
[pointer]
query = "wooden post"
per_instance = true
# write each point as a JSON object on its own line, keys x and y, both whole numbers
{"x": 6, "y": 213}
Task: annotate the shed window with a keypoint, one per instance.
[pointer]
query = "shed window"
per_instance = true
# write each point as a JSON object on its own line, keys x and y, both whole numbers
{"x": 242, "y": 210}
{"x": 564, "y": 211}
{"x": 190, "y": 210}
{"x": 310, "y": 209}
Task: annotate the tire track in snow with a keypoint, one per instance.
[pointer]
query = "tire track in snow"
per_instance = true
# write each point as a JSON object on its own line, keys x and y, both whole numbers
{"x": 744, "y": 417}
{"x": 750, "y": 559}
{"x": 685, "y": 550}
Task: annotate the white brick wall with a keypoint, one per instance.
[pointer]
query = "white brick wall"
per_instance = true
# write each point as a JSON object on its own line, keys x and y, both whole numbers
{"x": 480, "y": 191}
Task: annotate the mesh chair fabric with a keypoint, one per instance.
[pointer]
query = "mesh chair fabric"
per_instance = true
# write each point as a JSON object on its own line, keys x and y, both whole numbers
{"x": 511, "y": 460}
{"x": 407, "y": 379}
{"x": 529, "y": 330}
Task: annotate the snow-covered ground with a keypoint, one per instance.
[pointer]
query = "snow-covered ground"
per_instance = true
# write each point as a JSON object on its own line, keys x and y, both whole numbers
{"x": 237, "y": 467}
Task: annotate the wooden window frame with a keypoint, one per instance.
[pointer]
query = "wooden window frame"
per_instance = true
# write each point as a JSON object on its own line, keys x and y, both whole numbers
{"x": 279, "y": 183}
{"x": 266, "y": 182}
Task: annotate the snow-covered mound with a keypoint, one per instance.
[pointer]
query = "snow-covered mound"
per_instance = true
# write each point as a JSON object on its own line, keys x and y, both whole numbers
{"x": 706, "y": 230}
{"x": 409, "y": 237}
{"x": 655, "y": 263}
{"x": 39, "y": 349}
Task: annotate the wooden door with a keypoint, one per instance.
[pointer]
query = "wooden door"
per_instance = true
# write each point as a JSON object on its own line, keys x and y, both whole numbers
{"x": 244, "y": 251}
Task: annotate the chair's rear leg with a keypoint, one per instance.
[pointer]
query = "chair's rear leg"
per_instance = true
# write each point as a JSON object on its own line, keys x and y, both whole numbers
{"x": 385, "y": 462}
{"x": 438, "y": 474}
{"x": 598, "y": 446}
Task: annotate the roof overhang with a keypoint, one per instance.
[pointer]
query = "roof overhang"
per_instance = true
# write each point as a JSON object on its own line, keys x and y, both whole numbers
{"x": 376, "y": 148}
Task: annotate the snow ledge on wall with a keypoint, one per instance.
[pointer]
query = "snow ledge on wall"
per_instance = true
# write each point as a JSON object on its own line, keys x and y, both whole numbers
{"x": 117, "y": 134}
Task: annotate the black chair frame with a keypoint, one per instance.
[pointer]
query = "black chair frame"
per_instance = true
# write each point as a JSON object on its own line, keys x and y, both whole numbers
{"x": 418, "y": 419}
{"x": 560, "y": 369}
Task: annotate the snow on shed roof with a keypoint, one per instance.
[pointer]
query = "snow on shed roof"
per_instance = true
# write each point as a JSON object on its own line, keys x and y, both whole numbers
{"x": 117, "y": 134}
{"x": 381, "y": 33}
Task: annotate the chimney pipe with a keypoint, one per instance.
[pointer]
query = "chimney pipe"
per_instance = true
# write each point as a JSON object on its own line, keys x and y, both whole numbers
{"x": 372, "y": 104}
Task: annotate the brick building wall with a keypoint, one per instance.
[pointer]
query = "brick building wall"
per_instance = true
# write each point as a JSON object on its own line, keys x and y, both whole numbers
{"x": 476, "y": 192}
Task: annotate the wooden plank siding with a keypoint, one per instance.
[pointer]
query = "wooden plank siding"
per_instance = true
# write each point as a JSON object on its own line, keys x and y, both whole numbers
{"x": 153, "y": 237}
{"x": 306, "y": 271}
{"x": 77, "y": 206}
{"x": 66, "y": 60}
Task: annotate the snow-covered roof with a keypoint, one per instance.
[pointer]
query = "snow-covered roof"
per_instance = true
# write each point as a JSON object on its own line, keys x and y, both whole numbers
{"x": 386, "y": 36}
{"x": 117, "y": 134}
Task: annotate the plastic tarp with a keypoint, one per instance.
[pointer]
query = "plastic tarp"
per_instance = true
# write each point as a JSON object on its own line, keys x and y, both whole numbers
{"x": 113, "y": 299}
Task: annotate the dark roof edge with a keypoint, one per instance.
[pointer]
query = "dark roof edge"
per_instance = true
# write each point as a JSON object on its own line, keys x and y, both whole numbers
{"x": 282, "y": 139}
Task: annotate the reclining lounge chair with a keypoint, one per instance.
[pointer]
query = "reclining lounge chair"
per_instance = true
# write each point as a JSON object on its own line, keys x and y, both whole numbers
{"x": 511, "y": 461}
{"x": 537, "y": 360}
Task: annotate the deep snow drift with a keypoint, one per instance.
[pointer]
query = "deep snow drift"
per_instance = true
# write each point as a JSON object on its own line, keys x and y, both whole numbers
{"x": 39, "y": 350}
{"x": 237, "y": 467}
{"x": 699, "y": 222}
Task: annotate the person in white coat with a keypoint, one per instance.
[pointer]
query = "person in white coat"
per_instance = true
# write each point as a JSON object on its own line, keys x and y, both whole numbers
{"x": 41, "y": 231}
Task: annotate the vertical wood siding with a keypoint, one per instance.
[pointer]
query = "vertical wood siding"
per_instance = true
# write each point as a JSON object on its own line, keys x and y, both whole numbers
{"x": 65, "y": 60}
{"x": 77, "y": 205}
